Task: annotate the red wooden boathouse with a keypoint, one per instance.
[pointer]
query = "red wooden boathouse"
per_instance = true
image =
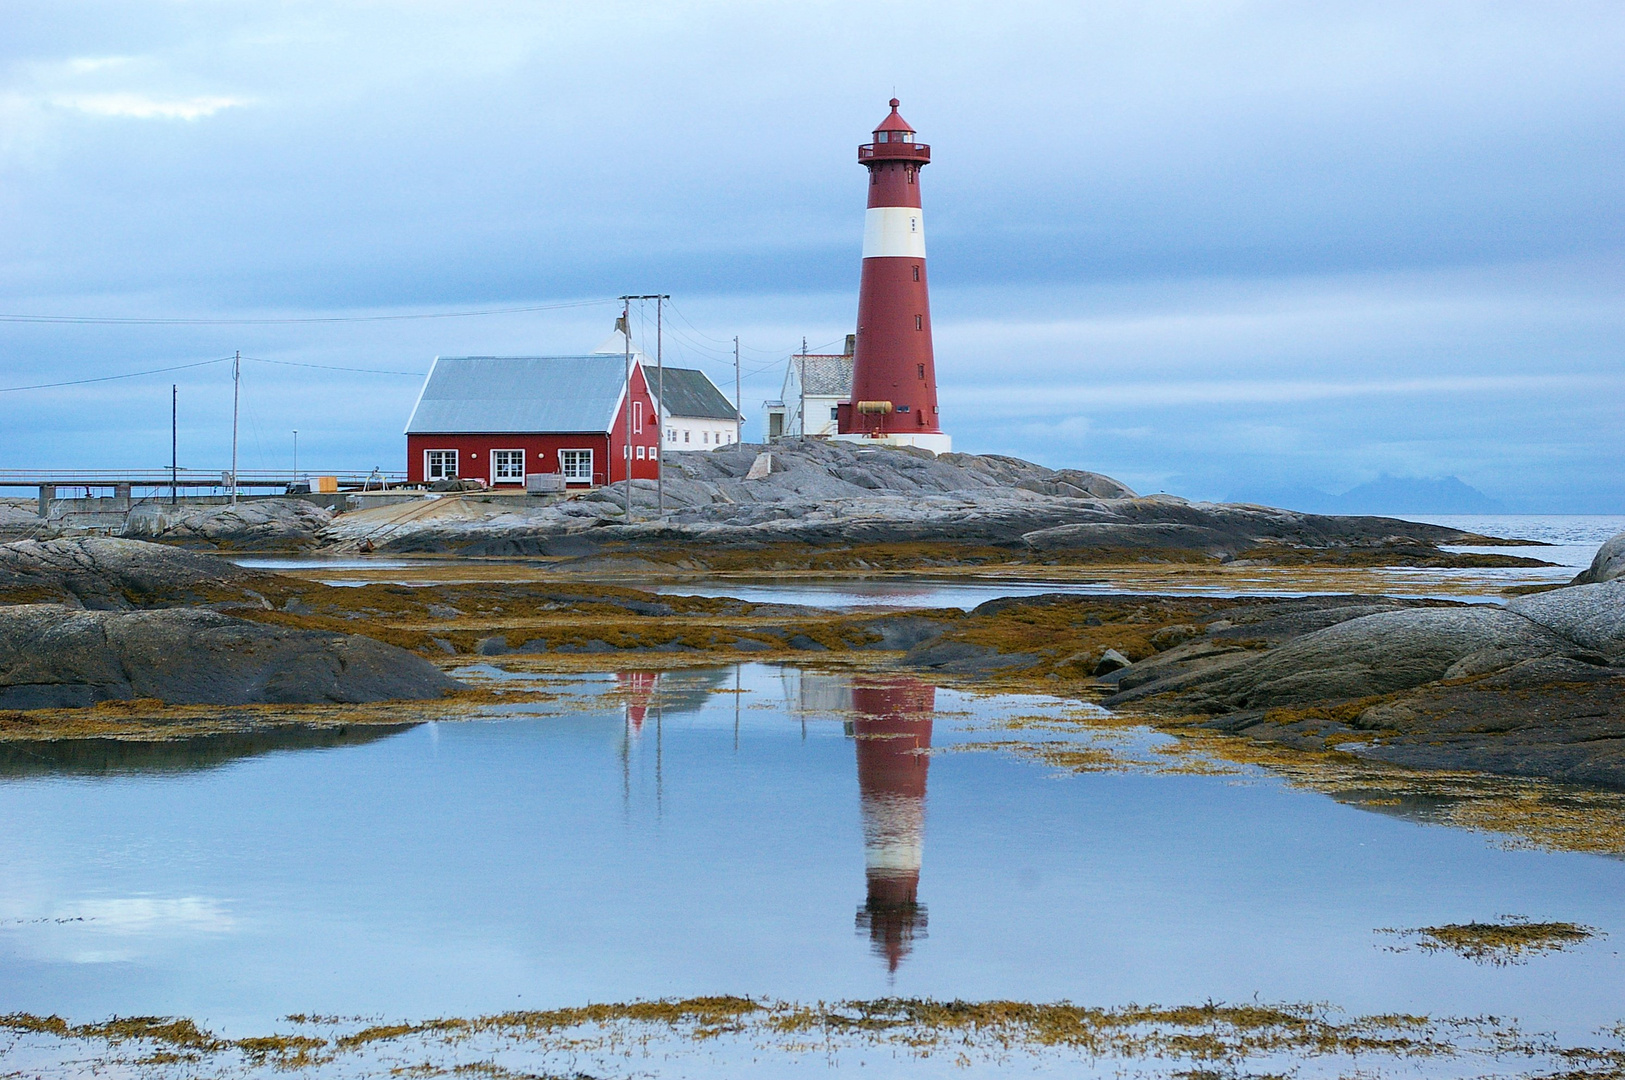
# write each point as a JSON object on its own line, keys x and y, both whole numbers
{"x": 501, "y": 418}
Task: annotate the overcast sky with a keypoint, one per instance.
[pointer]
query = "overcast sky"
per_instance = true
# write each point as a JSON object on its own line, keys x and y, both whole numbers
{"x": 1226, "y": 250}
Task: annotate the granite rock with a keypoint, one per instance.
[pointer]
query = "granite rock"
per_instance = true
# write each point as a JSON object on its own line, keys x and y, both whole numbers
{"x": 1607, "y": 565}
{"x": 53, "y": 656}
{"x": 106, "y": 573}
{"x": 252, "y": 525}
{"x": 1592, "y": 616}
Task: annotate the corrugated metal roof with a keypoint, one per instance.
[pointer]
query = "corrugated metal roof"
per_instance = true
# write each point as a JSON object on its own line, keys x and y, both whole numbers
{"x": 690, "y": 392}
{"x": 825, "y": 374}
{"x": 471, "y": 394}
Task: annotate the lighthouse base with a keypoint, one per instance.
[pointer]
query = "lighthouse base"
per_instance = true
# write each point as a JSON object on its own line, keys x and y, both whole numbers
{"x": 935, "y": 441}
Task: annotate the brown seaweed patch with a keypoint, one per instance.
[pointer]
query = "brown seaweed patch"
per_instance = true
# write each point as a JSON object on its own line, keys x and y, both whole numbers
{"x": 1521, "y": 812}
{"x": 169, "y": 1031}
{"x": 1512, "y": 940}
{"x": 1206, "y": 1035}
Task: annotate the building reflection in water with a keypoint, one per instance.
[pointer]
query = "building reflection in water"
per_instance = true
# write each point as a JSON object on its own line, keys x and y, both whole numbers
{"x": 892, "y": 731}
{"x": 891, "y": 728}
{"x": 637, "y": 691}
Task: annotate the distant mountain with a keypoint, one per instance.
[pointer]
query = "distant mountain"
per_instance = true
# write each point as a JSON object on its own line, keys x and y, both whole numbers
{"x": 1399, "y": 495}
{"x": 1387, "y": 495}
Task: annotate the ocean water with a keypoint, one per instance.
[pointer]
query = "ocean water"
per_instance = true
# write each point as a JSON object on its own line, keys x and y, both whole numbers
{"x": 1572, "y": 538}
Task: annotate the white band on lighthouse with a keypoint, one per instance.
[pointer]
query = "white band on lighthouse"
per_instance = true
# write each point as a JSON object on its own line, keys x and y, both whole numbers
{"x": 894, "y": 232}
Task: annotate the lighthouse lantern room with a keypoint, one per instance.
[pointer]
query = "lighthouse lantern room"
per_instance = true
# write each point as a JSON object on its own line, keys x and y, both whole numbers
{"x": 894, "y": 378}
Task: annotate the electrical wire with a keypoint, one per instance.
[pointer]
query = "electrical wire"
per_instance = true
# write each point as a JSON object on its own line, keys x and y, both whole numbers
{"x": 334, "y": 367}
{"x": 111, "y": 378}
{"x": 109, "y": 321}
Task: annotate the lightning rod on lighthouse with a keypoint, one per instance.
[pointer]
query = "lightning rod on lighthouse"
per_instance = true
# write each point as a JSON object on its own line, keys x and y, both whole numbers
{"x": 894, "y": 378}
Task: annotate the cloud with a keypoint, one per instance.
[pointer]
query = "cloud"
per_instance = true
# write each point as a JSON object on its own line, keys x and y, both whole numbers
{"x": 1022, "y": 399}
{"x": 143, "y": 107}
{"x": 149, "y": 915}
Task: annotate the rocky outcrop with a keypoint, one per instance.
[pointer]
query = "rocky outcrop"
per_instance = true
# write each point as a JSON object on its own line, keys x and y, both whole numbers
{"x": 52, "y": 656}
{"x": 820, "y": 494}
{"x": 109, "y": 574}
{"x": 20, "y": 521}
{"x": 1607, "y": 565}
{"x": 1592, "y": 616}
{"x": 1533, "y": 689}
{"x": 1365, "y": 657}
{"x": 255, "y": 525}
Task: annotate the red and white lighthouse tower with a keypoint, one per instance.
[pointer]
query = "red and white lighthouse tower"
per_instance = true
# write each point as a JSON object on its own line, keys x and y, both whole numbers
{"x": 894, "y": 378}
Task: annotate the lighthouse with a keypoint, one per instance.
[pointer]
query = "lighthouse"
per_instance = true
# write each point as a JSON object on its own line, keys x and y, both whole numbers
{"x": 894, "y": 378}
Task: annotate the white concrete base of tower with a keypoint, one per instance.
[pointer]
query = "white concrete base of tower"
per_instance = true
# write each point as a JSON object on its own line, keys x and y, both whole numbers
{"x": 935, "y": 441}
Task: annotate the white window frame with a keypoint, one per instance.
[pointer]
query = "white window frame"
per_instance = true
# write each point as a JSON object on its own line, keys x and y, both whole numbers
{"x": 637, "y": 418}
{"x": 497, "y": 479}
{"x": 642, "y": 453}
{"x": 573, "y": 475}
{"x": 429, "y": 472}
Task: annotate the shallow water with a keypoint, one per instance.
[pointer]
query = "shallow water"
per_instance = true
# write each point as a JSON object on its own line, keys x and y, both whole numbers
{"x": 662, "y": 835}
{"x": 1572, "y": 541}
{"x": 316, "y": 562}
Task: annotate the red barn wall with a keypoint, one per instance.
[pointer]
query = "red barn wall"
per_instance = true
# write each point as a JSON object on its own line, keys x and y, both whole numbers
{"x": 542, "y": 451}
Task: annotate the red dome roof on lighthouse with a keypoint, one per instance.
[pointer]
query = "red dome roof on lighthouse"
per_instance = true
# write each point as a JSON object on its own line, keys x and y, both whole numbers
{"x": 893, "y": 122}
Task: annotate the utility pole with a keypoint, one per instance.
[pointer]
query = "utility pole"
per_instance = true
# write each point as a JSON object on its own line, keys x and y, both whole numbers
{"x": 660, "y": 414}
{"x": 739, "y": 414}
{"x": 296, "y": 455}
{"x": 236, "y": 387}
{"x": 626, "y": 330}
{"x": 174, "y": 440}
{"x": 801, "y": 385}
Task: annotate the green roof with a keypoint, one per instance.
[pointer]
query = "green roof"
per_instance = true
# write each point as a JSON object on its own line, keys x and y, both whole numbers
{"x": 690, "y": 393}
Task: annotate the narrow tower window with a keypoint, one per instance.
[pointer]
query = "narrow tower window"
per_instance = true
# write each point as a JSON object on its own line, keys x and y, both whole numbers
{"x": 916, "y": 273}
{"x": 919, "y": 322}
{"x": 920, "y": 370}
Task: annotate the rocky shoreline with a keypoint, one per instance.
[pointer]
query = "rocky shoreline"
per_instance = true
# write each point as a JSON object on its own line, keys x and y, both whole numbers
{"x": 1532, "y": 688}
{"x": 813, "y": 504}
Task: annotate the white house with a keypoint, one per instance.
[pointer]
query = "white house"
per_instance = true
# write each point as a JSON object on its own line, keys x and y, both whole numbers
{"x": 695, "y": 414}
{"x": 814, "y": 384}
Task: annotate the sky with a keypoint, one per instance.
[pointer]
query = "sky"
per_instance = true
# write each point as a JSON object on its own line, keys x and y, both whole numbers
{"x": 1227, "y": 250}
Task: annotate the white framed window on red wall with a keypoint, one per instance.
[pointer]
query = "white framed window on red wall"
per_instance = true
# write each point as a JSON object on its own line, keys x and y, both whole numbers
{"x": 576, "y": 465}
{"x": 440, "y": 465}
{"x": 507, "y": 466}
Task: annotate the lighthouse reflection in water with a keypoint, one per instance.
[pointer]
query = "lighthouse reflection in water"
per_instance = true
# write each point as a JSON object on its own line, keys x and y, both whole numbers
{"x": 892, "y": 730}
{"x": 887, "y": 720}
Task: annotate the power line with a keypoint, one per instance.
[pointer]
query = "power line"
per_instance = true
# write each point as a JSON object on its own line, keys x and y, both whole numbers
{"x": 111, "y": 378}
{"x": 109, "y": 321}
{"x": 334, "y": 367}
{"x": 727, "y": 343}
